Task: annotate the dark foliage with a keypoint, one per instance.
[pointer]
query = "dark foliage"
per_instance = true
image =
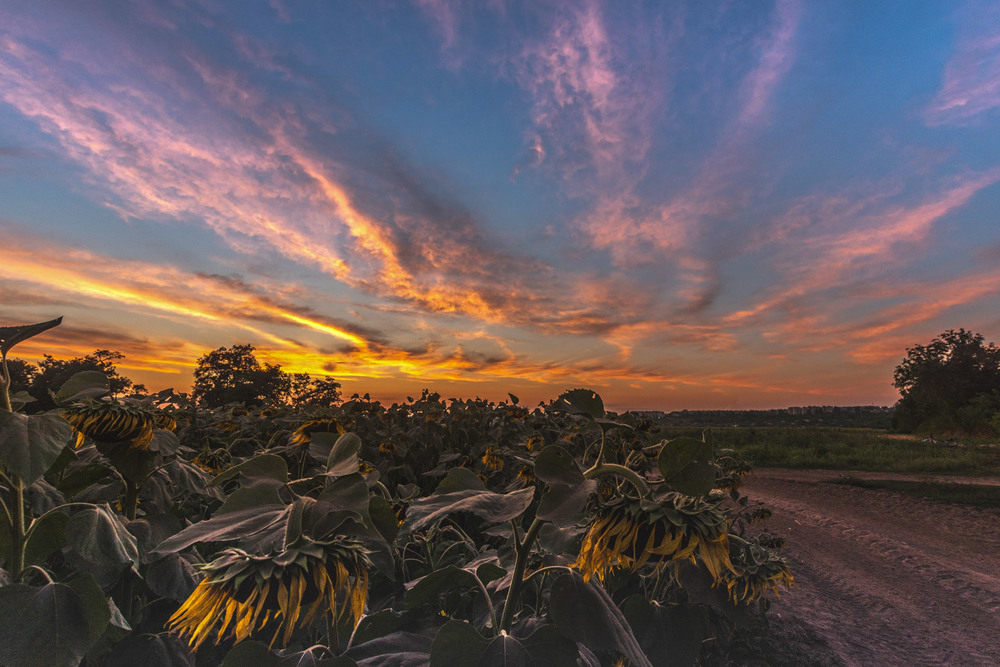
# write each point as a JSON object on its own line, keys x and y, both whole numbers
{"x": 950, "y": 385}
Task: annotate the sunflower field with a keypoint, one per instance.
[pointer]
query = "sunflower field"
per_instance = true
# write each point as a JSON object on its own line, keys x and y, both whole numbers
{"x": 452, "y": 532}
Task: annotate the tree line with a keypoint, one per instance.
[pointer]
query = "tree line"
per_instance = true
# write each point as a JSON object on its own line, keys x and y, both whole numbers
{"x": 949, "y": 386}
{"x": 223, "y": 376}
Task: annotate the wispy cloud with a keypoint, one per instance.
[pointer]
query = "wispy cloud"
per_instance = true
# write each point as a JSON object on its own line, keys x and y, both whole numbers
{"x": 970, "y": 85}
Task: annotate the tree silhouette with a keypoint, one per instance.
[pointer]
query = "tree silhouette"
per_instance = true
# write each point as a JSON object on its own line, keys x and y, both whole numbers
{"x": 951, "y": 384}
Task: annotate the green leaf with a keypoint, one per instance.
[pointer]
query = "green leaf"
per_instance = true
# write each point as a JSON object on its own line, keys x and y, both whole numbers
{"x": 667, "y": 634}
{"x": 460, "y": 479}
{"x": 583, "y": 402}
{"x": 427, "y": 589}
{"x": 11, "y": 336}
{"x": 30, "y": 444}
{"x": 506, "y": 651}
{"x": 164, "y": 442}
{"x": 457, "y": 644}
{"x": 398, "y": 649}
{"x": 171, "y": 577}
{"x": 551, "y": 648}
{"x": 555, "y": 465}
{"x": 686, "y": 466}
{"x": 567, "y": 490}
{"x": 161, "y": 650}
{"x": 99, "y": 537}
{"x": 241, "y": 524}
{"x": 493, "y": 507}
{"x": 378, "y": 624}
{"x": 42, "y": 627}
{"x": 83, "y": 385}
{"x": 343, "y": 459}
{"x": 584, "y": 612}
{"x": 383, "y": 517}
{"x": 258, "y": 495}
{"x": 250, "y": 653}
{"x": 95, "y": 604}
{"x": 262, "y": 465}
{"x": 45, "y": 535}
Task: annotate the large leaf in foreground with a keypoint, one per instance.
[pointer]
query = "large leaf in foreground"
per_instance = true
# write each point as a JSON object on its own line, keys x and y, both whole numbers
{"x": 686, "y": 466}
{"x": 493, "y": 507}
{"x": 45, "y": 626}
{"x": 241, "y": 524}
{"x": 586, "y": 613}
{"x": 567, "y": 490}
{"x": 11, "y": 336}
{"x": 668, "y": 634}
{"x": 30, "y": 444}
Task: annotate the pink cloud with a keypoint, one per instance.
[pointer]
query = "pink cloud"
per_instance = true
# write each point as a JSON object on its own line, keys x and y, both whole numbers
{"x": 971, "y": 82}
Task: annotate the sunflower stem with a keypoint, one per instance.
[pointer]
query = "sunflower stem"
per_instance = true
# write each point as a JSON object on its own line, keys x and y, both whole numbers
{"x": 131, "y": 499}
{"x": 4, "y": 384}
{"x": 517, "y": 581}
{"x": 489, "y": 604}
{"x": 17, "y": 528}
{"x": 606, "y": 469}
{"x": 547, "y": 568}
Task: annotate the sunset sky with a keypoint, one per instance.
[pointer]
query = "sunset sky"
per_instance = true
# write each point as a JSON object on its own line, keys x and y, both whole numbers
{"x": 677, "y": 204}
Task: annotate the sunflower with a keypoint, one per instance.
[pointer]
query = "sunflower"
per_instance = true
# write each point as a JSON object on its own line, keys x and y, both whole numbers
{"x": 387, "y": 447}
{"x": 535, "y": 442}
{"x": 111, "y": 423}
{"x": 526, "y": 474}
{"x": 517, "y": 413}
{"x": 165, "y": 421}
{"x": 758, "y": 569}
{"x": 492, "y": 460}
{"x": 635, "y": 532}
{"x": 248, "y": 595}
{"x": 302, "y": 436}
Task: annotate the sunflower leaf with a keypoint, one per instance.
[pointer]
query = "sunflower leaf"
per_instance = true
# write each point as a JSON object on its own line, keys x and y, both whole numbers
{"x": 11, "y": 336}
{"x": 30, "y": 444}
{"x": 585, "y": 612}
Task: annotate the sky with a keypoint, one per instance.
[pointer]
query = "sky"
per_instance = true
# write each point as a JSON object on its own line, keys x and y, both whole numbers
{"x": 680, "y": 205}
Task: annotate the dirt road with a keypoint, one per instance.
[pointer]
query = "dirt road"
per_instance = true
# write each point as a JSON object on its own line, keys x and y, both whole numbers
{"x": 882, "y": 578}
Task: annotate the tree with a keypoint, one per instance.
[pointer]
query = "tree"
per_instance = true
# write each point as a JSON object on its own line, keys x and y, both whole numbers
{"x": 52, "y": 373}
{"x": 233, "y": 375}
{"x": 317, "y": 392}
{"x": 21, "y": 373}
{"x": 949, "y": 384}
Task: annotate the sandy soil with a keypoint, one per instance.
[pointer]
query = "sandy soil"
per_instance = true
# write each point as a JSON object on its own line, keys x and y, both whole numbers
{"x": 883, "y": 578}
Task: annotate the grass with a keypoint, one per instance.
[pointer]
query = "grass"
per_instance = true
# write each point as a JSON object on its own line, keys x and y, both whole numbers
{"x": 834, "y": 448}
{"x": 977, "y": 495}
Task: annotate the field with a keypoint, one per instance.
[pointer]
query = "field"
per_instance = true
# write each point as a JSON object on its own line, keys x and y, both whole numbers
{"x": 835, "y": 448}
{"x": 447, "y": 532}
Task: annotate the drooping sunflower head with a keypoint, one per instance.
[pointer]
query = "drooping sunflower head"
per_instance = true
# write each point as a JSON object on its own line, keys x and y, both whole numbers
{"x": 111, "y": 423}
{"x": 252, "y": 596}
{"x": 526, "y": 474}
{"x": 757, "y": 570}
{"x": 165, "y": 421}
{"x": 535, "y": 442}
{"x": 517, "y": 413}
{"x": 302, "y": 436}
{"x": 491, "y": 460}
{"x": 635, "y": 532}
{"x": 387, "y": 448}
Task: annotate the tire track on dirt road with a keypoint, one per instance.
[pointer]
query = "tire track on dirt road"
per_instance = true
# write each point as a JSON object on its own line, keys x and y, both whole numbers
{"x": 883, "y": 578}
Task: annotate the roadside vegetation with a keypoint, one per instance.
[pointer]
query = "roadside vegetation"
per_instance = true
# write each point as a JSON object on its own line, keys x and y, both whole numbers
{"x": 975, "y": 495}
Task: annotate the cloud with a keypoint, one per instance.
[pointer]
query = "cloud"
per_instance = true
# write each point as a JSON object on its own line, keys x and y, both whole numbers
{"x": 970, "y": 85}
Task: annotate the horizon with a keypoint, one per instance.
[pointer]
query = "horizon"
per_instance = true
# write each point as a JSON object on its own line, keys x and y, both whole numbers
{"x": 736, "y": 207}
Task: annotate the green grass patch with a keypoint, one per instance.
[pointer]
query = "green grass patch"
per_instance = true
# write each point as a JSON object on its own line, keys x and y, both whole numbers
{"x": 978, "y": 495}
{"x": 834, "y": 448}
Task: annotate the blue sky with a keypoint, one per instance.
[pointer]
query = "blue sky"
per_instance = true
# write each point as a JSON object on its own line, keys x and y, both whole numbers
{"x": 679, "y": 205}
